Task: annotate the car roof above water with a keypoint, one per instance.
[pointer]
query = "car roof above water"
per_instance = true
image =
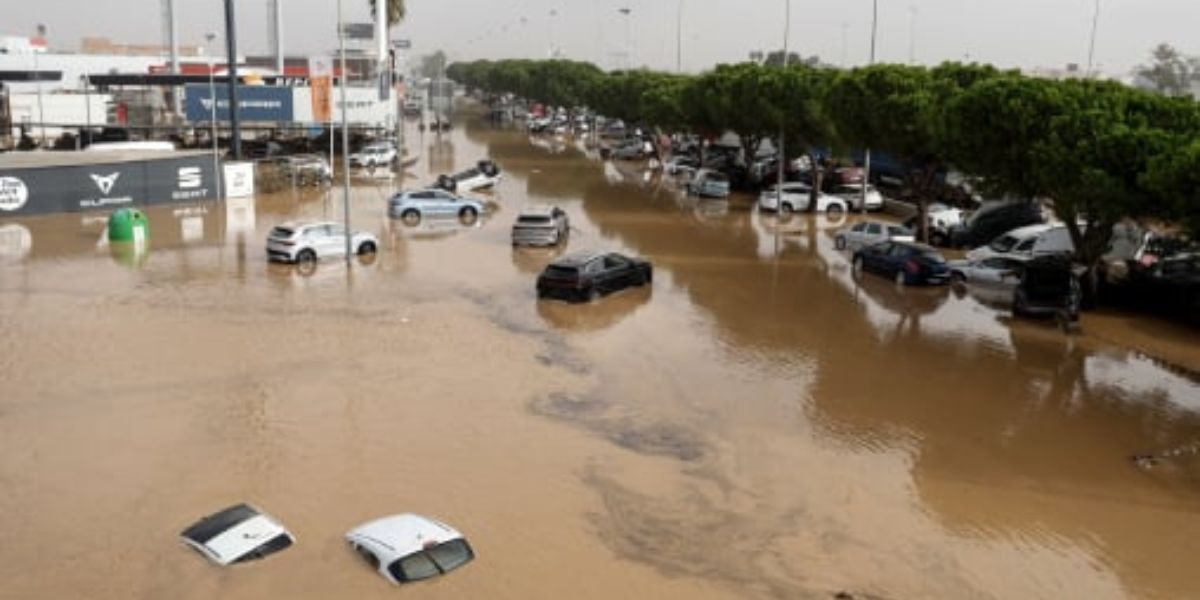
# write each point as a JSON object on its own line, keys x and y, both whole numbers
{"x": 398, "y": 536}
{"x": 578, "y": 258}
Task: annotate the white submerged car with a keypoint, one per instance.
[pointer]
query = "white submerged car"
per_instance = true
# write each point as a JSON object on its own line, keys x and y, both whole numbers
{"x": 541, "y": 226}
{"x": 485, "y": 174}
{"x": 796, "y": 197}
{"x": 237, "y": 534}
{"x": 300, "y": 242}
{"x": 408, "y": 547}
{"x": 374, "y": 155}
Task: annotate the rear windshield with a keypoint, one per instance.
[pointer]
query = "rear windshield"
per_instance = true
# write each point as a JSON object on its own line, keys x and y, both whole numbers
{"x": 281, "y": 232}
{"x": 533, "y": 219}
{"x": 451, "y": 555}
{"x": 432, "y": 562}
{"x": 562, "y": 272}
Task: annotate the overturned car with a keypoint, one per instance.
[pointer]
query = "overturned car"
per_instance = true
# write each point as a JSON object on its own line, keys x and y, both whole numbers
{"x": 237, "y": 534}
{"x": 485, "y": 174}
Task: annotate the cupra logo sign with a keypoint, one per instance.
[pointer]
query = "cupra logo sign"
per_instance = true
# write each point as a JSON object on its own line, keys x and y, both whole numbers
{"x": 106, "y": 182}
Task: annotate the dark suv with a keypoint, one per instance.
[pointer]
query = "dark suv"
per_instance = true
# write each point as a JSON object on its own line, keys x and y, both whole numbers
{"x": 994, "y": 220}
{"x": 584, "y": 276}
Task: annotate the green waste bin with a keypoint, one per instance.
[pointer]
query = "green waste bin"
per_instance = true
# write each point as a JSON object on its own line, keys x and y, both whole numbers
{"x": 128, "y": 225}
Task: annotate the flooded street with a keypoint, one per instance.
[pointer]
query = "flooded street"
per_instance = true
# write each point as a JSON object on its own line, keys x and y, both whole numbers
{"x": 758, "y": 423}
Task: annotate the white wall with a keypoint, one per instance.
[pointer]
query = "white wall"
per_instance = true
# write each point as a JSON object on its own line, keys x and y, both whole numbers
{"x": 65, "y": 109}
{"x": 74, "y": 67}
{"x": 365, "y": 106}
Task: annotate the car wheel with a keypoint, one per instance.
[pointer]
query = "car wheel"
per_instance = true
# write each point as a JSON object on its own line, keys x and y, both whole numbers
{"x": 785, "y": 209}
{"x": 835, "y": 210}
{"x": 857, "y": 265}
{"x": 468, "y": 215}
{"x": 901, "y": 278}
{"x": 593, "y": 294}
{"x": 938, "y": 239}
{"x": 366, "y": 248}
{"x": 306, "y": 256}
{"x": 958, "y": 277}
{"x": 411, "y": 216}
{"x": 839, "y": 242}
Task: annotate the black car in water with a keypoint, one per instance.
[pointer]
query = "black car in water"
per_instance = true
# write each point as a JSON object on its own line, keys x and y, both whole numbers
{"x": 1048, "y": 288}
{"x": 906, "y": 262}
{"x": 585, "y": 276}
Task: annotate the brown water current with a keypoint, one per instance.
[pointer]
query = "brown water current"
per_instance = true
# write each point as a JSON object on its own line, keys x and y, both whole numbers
{"x": 758, "y": 423}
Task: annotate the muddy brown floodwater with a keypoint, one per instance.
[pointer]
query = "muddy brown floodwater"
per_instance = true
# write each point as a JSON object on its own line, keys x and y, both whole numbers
{"x": 759, "y": 423}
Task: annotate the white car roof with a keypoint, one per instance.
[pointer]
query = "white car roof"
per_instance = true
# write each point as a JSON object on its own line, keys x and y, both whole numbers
{"x": 397, "y": 536}
{"x": 294, "y": 225}
{"x": 231, "y": 540}
{"x": 538, "y": 210}
{"x": 1030, "y": 230}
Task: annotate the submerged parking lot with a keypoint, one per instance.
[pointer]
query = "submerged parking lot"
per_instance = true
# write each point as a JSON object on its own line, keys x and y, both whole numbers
{"x": 759, "y": 422}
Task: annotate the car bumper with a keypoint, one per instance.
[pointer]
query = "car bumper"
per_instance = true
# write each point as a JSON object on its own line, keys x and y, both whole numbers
{"x": 274, "y": 255}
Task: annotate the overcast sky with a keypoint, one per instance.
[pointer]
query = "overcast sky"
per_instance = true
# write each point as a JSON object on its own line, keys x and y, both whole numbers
{"x": 1010, "y": 33}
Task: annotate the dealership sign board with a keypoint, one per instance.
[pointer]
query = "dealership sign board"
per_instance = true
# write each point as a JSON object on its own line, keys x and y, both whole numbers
{"x": 255, "y": 103}
{"x": 106, "y": 185}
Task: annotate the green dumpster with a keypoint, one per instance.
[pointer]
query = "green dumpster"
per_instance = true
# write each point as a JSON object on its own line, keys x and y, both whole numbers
{"x": 128, "y": 225}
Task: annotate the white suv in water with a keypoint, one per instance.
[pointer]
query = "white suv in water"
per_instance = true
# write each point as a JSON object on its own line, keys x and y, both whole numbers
{"x": 307, "y": 242}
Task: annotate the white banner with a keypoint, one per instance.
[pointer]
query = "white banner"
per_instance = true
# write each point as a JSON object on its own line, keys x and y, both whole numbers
{"x": 239, "y": 179}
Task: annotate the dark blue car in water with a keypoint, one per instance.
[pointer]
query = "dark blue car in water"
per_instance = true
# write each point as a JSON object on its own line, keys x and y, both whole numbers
{"x": 907, "y": 263}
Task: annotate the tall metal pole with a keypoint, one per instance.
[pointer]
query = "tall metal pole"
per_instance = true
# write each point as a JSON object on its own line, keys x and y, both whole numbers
{"x": 867, "y": 155}
{"x": 781, "y": 154}
{"x": 212, "y": 113}
{"x": 235, "y": 139}
{"x": 1092, "y": 43}
{"x": 345, "y": 133}
{"x": 679, "y": 39}
{"x": 41, "y": 113}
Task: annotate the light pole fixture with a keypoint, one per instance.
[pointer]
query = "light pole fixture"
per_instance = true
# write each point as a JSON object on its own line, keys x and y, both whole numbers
{"x": 1092, "y": 43}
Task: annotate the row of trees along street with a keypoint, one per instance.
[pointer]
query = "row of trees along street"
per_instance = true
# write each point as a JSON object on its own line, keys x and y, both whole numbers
{"x": 1099, "y": 150}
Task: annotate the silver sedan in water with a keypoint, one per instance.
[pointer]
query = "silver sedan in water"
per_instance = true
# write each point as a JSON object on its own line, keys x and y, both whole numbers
{"x": 413, "y": 206}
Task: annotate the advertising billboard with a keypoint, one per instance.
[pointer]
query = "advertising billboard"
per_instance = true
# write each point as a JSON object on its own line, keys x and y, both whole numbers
{"x": 255, "y": 103}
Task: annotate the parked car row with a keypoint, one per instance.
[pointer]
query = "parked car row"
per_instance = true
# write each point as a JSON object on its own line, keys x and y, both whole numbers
{"x": 402, "y": 548}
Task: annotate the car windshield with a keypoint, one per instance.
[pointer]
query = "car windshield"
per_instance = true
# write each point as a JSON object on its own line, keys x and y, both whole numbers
{"x": 451, "y": 555}
{"x": 898, "y": 231}
{"x": 933, "y": 257}
{"x": 414, "y": 567}
{"x": 1003, "y": 243}
{"x": 282, "y": 233}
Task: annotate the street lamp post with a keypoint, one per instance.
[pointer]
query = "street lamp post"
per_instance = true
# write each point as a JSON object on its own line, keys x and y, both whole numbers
{"x": 628, "y": 38}
{"x": 867, "y": 154}
{"x": 781, "y": 154}
{"x": 1092, "y": 43}
{"x": 212, "y": 110}
{"x": 345, "y": 134}
{"x": 679, "y": 38}
{"x": 235, "y": 139}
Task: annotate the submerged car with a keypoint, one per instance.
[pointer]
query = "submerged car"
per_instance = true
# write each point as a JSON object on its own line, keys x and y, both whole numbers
{"x": 306, "y": 169}
{"x": 708, "y": 183}
{"x": 541, "y": 226}
{"x": 797, "y": 197}
{"x": 374, "y": 155}
{"x": 869, "y": 233}
{"x": 485, "y": 174}
{"x": 405, "y": 548}
{"x": 300, "y": 242}
{"x": 237, "y": 534}
{"x": 852, "y": 193}
{"x": 585, "y": 276}
{"x": 1048, "y": 288}
{"x": 992, "y": 220}
{"x": 907, "y": 263}
{"x": 413, "y": 206}
{"x": 995, "y": 271}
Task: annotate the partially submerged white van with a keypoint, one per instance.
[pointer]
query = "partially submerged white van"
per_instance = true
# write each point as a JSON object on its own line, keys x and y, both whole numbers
{"x": 1027, "y": 242}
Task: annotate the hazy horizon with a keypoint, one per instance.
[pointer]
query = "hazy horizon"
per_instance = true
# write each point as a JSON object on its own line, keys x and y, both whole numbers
{"x": 713, "y": 31}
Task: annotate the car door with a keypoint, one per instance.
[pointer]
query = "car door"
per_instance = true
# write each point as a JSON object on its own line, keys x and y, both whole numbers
{"x": 873, "y": 234}
{"x": 594, "y": 270}
{"x": 619, "y": 271}
{"x": 444, "y": 203}
{"x": 875, "y": 258}
{"x": 335, "y": 240}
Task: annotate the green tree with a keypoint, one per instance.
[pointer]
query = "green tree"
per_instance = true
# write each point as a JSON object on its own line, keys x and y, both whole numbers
{"x": 395, "y": 11}
{"x": 1170, "y": 72}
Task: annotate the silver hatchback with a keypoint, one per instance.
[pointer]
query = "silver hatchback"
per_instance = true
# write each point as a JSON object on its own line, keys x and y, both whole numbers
{"x": 541, "y": 226}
